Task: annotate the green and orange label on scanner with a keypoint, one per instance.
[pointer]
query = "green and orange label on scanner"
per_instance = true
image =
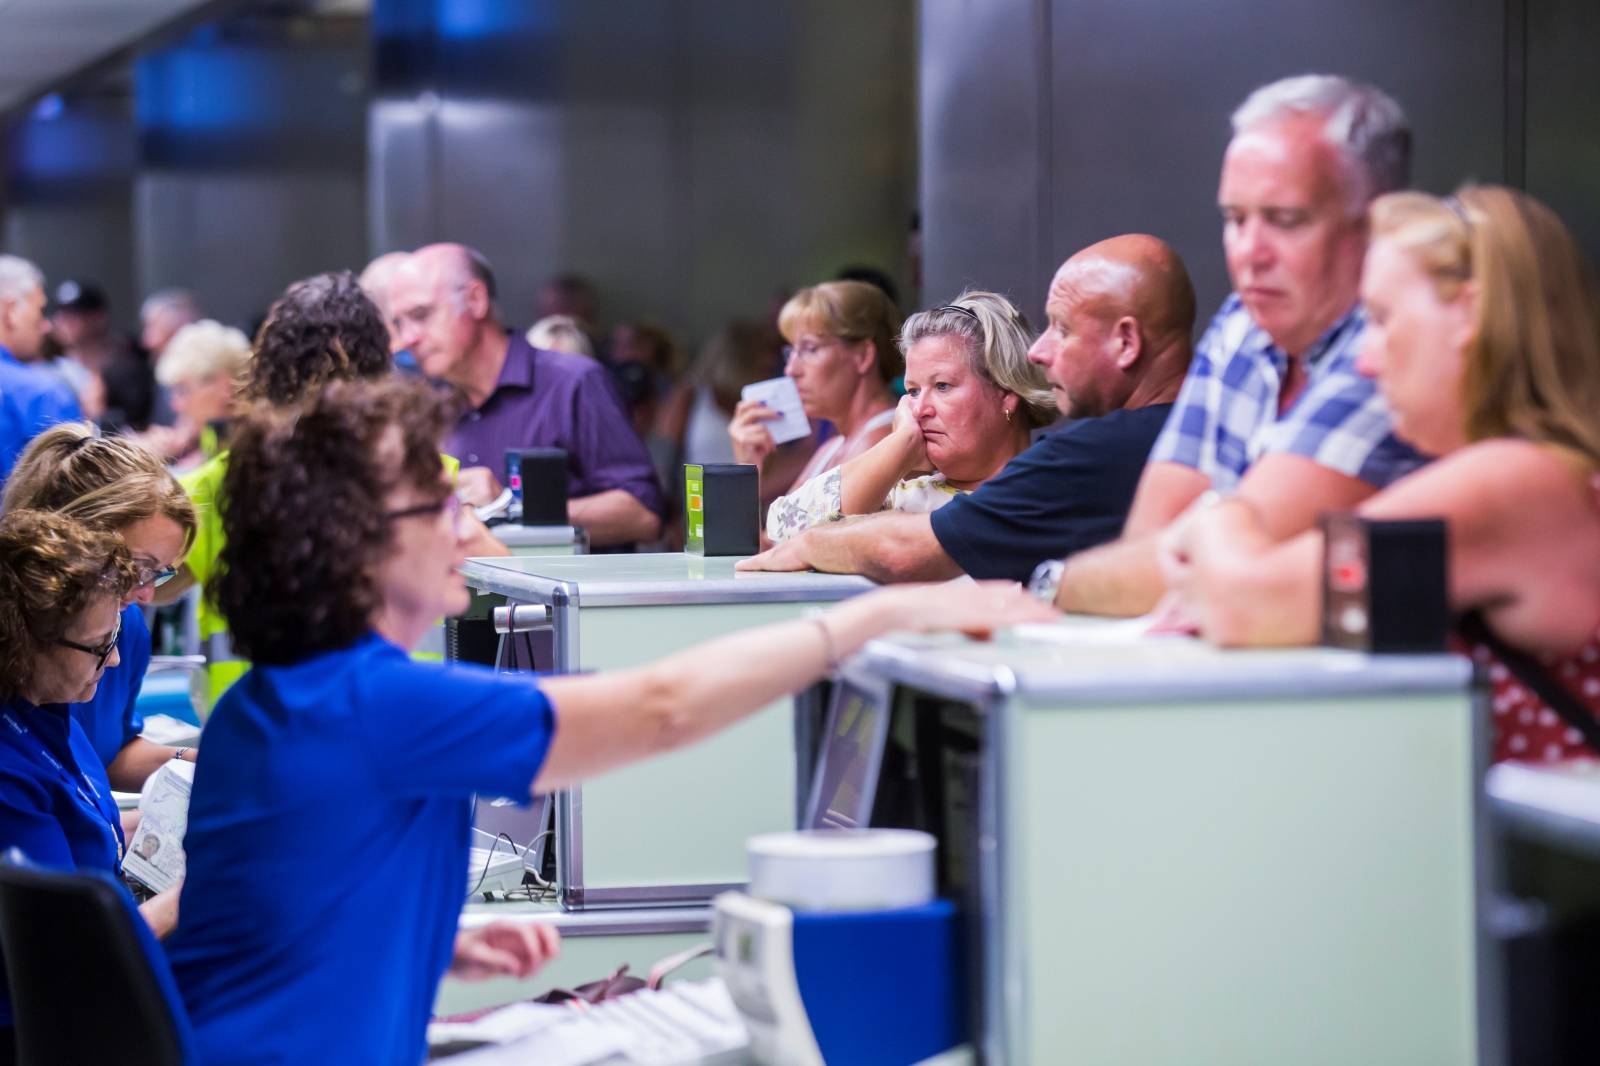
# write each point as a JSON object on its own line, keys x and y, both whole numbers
{"x": 694, "y": 486}
{"x": 731, "y": 525}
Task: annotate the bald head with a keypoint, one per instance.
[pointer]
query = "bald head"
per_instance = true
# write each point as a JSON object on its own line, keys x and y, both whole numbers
{"x": 1134, "y": 275}
{"x": 1121, "y": 317}
{"x": 441, "y": 306}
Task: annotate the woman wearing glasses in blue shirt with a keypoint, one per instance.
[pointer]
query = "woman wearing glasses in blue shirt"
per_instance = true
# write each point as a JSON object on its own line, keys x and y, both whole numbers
{"x": 117, "y": 486}
{"x": 61, "y": 593}
{"x": 338, "y": 763}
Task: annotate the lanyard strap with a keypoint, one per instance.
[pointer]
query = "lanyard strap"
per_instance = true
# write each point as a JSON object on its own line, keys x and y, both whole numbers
{"x": 92, "y": 798}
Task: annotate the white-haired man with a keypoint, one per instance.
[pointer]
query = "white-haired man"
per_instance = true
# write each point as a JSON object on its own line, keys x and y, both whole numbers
{"x": 31, "y": 398}
{"x": 1273, "y": 409}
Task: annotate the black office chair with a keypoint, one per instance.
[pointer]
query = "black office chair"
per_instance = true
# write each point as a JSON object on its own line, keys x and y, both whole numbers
{"x": 89, "y": 983}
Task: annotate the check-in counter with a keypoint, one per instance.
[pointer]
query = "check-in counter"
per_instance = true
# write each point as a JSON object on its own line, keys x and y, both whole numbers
{"x": 1547, "y": 908}
{"x": 668, "y": 831}
{"x": 535, "y": 541}
{"x": 1173, "y": 854}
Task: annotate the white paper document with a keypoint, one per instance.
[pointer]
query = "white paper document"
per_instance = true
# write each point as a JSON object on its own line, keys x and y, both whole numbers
{"x": 780, "y": 395}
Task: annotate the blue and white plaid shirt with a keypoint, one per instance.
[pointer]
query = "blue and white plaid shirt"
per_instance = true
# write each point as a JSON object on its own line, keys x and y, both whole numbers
{"x": 1226, "y": 416}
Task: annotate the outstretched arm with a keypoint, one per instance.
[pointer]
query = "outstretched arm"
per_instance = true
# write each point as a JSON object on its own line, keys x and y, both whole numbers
{"x": 887, "y": 548}
{"x": 607, "y": 720}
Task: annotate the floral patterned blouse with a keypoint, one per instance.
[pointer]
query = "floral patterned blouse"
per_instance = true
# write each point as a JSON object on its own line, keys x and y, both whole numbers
{"x": 820, "y": 500}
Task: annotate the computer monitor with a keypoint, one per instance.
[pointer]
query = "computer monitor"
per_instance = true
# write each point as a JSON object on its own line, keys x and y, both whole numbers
{"x": 851, "y": 755}
{"x": 527, "y": 825}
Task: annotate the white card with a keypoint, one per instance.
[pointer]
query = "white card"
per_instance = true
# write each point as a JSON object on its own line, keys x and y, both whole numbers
{"x": 781, "y": 395}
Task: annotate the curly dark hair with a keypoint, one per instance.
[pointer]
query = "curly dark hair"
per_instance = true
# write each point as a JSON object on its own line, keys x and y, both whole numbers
{"x": 52, "y": 568}
{"x": 302, "y": 509}
{"x": 322, "y": 329}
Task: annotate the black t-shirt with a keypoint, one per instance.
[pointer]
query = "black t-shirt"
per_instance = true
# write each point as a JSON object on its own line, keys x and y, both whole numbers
{"x": 1071, "y": 490}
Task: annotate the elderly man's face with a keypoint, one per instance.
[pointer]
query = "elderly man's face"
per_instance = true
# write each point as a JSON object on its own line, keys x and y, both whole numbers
{"x": 1077, "y": 351}
{"x": 430, "y": 315}
{"x": 25, "y": 324}
{"x": 1293, "y": 242}
{"x": 158, "y": 327}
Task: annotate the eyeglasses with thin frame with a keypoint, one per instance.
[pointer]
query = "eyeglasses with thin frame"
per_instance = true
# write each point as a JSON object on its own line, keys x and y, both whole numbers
{"x": 808, "y": 351}
{"x": 153, "y": 577}
{"x": 450, "y": 506}
{"x": 102, "y": 653}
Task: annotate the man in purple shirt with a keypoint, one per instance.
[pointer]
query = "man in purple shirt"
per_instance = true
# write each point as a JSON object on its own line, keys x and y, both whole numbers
{"x": 442, "y": 306}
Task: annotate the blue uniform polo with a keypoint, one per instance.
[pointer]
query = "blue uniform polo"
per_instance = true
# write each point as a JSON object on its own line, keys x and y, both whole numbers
{"x": 327, "y": 849}
{"x": 55, "y": 801}
{"x": 112, "y": 718}
{"x": 31, "y": 401}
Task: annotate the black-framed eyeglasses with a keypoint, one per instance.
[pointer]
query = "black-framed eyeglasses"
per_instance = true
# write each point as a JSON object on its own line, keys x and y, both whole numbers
{"x": 102, "y": 653}
{"x": 449, "y": 506}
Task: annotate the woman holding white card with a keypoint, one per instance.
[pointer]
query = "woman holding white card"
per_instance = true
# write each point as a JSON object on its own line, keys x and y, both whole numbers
{"x": 972, "y": 401}
{"x": 841, "y": 357}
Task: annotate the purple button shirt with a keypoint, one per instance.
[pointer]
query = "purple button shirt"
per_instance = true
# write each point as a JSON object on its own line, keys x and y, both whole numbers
{"x": 556, "y": 400}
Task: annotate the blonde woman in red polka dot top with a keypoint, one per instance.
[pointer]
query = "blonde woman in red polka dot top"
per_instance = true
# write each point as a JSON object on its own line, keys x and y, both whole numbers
{"x": 1484, "y": 336}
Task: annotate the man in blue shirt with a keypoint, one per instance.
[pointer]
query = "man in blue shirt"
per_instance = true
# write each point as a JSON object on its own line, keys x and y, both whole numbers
{"x": 1121, "y": 314}
{"x": 31, "y": 399}
{"x": 1273, "y": 407}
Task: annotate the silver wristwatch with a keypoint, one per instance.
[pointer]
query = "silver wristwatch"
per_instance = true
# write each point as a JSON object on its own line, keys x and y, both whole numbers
{"x": 1046, "y": 579}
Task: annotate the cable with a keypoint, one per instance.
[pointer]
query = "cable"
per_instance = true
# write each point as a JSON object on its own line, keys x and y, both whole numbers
{"x": 489, "y": 858}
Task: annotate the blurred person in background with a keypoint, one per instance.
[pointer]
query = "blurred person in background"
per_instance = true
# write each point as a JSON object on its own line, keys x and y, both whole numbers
{"x": 31, "y": 397}
{"x": 160, "y": 317}
{"x": 645, "y": 360}
{"x": 201, "y": 368}
{"x": 115, "y": 386}
{"x": 560, "y": 333}
{"x": 518, "y": 396}
{"x": 375, "y": 280}
{"x": 842, "y": 354}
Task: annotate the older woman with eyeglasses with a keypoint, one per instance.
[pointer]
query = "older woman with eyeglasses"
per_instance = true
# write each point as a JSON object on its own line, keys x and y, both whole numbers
{"x": 62, "y": 587}
{"x": 972, "y": 402}
{"x": 842, "y": 356}
{"x": 116, "y": 486}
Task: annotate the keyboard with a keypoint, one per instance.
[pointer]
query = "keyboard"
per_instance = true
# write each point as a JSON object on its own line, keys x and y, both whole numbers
{"x": 688, "y": 1022}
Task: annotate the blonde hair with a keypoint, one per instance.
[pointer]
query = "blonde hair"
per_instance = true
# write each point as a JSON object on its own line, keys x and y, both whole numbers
{"x": 203, "y": 349}
{"x": 106, "y": 483}
{"x": 850, "y": 311}
{"x": 996, "y": 337}
{"x": 1533, "y": 365}
{"x": 560, "y": 333}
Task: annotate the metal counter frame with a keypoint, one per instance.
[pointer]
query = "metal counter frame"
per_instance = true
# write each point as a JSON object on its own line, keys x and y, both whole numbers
{"x": 597, "y": 584}
{"x": 1003, "y": 689}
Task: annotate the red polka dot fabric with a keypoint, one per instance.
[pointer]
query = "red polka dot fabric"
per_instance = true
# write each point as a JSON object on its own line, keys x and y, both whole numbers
{"x": 1525, "y": 729}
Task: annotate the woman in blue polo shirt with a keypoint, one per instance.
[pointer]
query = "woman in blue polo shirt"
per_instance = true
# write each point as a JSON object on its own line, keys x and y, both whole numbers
{"x": 328, "y": 827}
{"x": 61, "y": 592}
{"x": 114, "y": 485}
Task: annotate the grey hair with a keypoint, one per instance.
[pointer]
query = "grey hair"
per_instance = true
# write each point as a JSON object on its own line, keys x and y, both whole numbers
{"x": 18, "y": 277}
{"x": 182, "y": 301}
{"x": 1364, "y": 124}
{"x": 996, "y": 338}
{"x": 472, "y": 266}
